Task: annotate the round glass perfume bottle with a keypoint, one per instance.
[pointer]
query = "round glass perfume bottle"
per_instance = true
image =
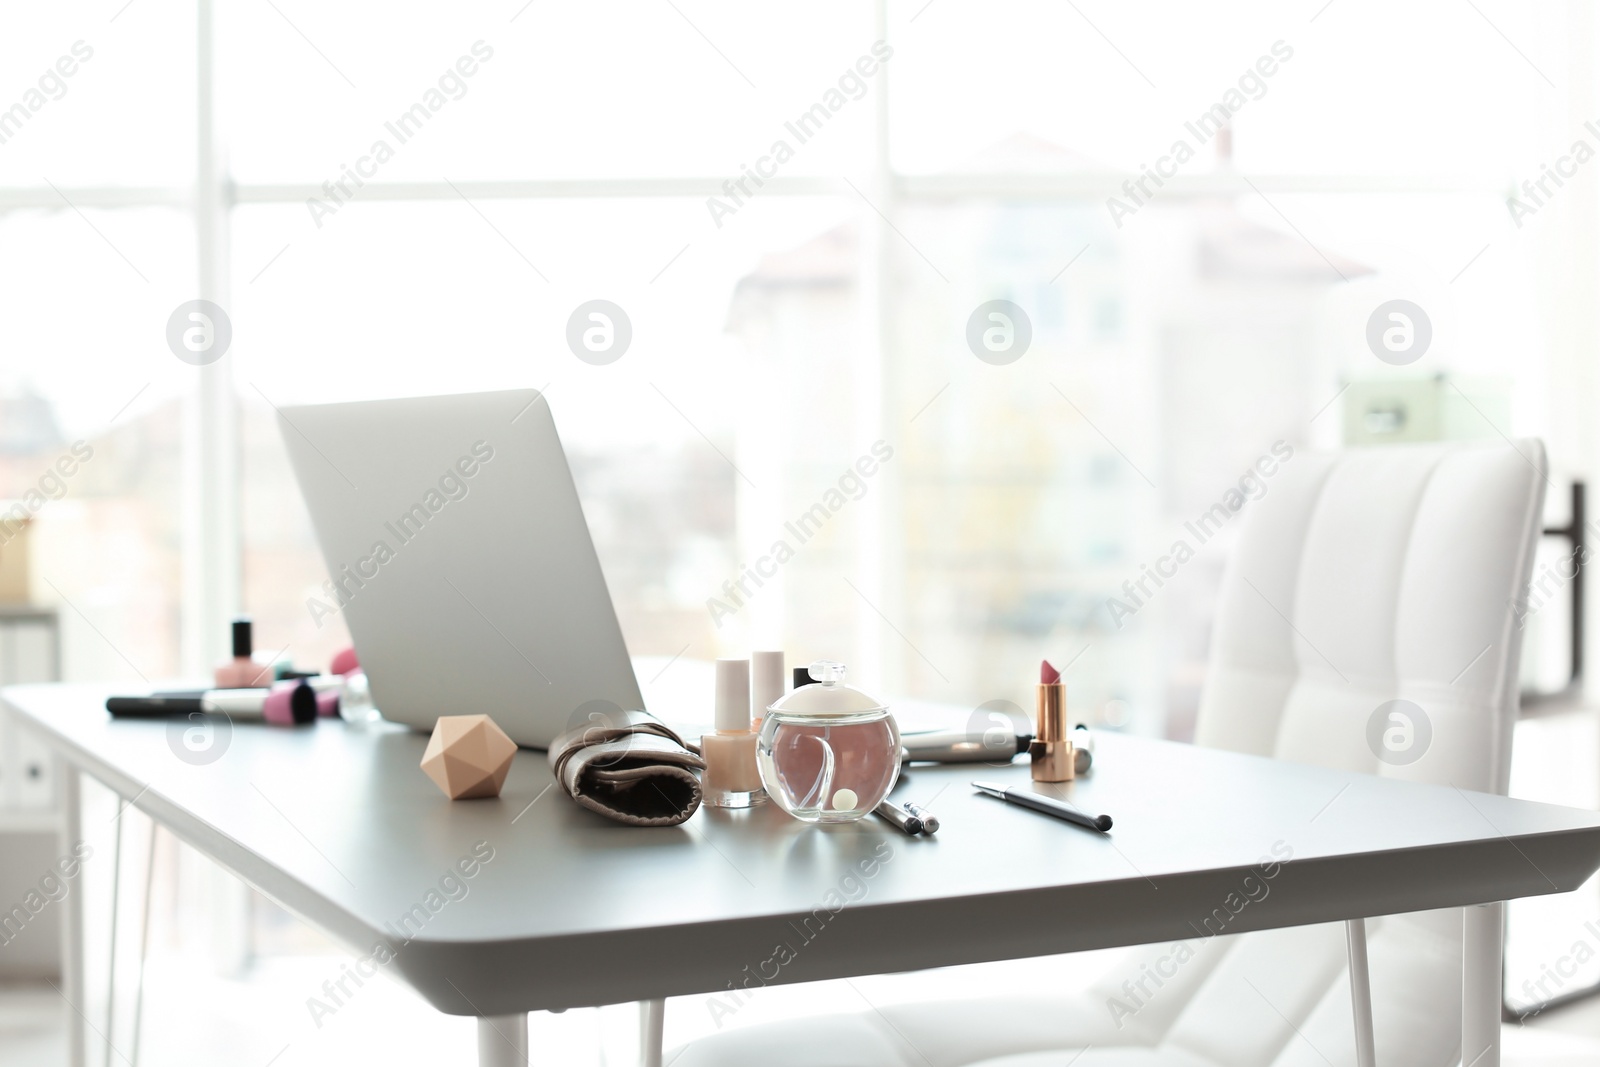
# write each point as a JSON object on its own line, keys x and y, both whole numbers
{"x": 828, "y": 752}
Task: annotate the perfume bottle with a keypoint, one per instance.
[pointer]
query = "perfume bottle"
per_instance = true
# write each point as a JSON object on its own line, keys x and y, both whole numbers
{"x": 730, "y": 779}
{"x": 828, "y": 752}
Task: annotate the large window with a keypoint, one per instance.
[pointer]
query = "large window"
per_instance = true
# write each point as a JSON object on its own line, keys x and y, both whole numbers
{"x": 800, "y": 213}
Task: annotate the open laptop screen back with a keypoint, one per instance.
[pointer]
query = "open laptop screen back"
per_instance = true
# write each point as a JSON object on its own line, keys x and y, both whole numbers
{"x": 463, "y": 566}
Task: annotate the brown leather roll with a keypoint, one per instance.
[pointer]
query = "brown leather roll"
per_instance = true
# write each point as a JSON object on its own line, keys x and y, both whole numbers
{"x": 632, "y": 768}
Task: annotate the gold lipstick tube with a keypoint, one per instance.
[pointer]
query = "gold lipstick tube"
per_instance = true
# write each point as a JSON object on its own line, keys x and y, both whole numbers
{"x": 1051, "y": 748}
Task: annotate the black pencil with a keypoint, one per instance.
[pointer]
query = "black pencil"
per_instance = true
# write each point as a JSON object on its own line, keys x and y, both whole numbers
{"x": 1046, "y": 805}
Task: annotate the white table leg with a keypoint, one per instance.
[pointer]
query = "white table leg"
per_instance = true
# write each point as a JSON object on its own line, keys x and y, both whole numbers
{"x": 73, "y": 984}
{"x": 652, "y": 1021}
{"x": 1361, "y": 991}
{"x": 144, "y": 941}
{"x": 116, "y": 909}
{"x": 503, "y": 1040}
{"x": 1481, "y": 984}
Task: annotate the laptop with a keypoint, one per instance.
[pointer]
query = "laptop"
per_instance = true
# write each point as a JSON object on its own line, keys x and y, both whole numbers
{"x": 461, "y": 561}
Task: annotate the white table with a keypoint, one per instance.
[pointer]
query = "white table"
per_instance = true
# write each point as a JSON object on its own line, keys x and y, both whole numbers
{"x": 341, "y": 827}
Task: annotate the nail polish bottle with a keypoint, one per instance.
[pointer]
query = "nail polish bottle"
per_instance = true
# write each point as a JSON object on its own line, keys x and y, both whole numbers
{"x": 766, "y": 684}
{"x": 242, "y": 671}
{"x": 731, "y": 778}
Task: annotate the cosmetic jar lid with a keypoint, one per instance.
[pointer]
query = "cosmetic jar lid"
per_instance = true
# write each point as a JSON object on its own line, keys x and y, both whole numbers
{"x": 828, "y": 696}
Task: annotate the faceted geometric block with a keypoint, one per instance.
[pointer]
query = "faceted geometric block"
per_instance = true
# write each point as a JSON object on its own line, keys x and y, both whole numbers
{"x": 468, "y": 756}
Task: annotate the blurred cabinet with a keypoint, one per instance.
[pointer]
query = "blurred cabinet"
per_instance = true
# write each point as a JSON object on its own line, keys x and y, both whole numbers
{"x": 30, "y": 651}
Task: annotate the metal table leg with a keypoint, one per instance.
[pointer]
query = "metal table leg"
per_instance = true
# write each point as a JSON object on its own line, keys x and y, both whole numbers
{"x": 1481, "y": 981}
{"x": 73, "y": 985}
{"x": 503, "y": 1040}
{"x": 652, "y": 1021}
{"x": 116, "y": 908}
{"x": 144, "y": 941}
{"x": 1361, "y": 991}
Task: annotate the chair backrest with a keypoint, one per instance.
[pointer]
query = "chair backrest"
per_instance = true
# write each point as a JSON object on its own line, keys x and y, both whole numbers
{"x": 1376, "y": 575}
{"x": 1362, "y": 578}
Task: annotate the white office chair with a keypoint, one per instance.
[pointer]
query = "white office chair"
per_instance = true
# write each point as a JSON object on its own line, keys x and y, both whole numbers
{"x": 1359, "y": 578}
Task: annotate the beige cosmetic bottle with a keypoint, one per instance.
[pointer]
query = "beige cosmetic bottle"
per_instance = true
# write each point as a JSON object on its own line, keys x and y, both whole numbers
{"x": 731, "y": 778}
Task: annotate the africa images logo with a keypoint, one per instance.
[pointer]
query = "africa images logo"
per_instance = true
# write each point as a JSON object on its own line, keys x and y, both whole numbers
{"x": 199, "y": 332}
{"x": 999, "y": 332}
{"x": 1399, "y": 732}
{"x": 1399, "y": 332}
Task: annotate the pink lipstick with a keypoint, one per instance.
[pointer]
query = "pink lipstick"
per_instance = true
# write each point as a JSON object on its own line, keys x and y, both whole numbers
{"x": 1051, "y": 749}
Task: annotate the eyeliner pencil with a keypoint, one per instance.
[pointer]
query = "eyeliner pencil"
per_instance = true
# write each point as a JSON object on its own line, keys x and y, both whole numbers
{"x": 1047, "y": 805}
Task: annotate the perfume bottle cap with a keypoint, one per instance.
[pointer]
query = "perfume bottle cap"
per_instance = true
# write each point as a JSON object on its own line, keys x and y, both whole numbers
{"x": 766, "y": 680}
{"x": 733, "y": 696}
{"x": 829, "y": 696}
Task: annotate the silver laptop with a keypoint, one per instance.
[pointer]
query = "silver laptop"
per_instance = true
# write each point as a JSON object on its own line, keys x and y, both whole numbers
{"x": 461, "y": 560}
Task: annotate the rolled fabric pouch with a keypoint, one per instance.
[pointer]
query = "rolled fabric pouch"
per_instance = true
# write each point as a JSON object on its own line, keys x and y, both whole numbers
{"x": 633, "y": 768}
